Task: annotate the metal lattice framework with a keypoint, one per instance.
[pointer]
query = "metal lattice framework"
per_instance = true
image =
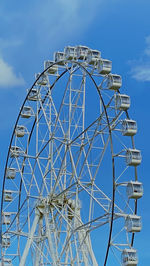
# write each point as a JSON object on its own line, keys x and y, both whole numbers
{"x": 71, "y": 171}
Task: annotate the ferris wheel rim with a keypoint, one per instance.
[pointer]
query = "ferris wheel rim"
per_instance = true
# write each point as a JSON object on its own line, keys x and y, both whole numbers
{"x": 84, "y": 68}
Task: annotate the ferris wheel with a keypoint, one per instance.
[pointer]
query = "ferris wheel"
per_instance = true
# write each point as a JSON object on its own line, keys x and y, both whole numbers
{"x": 70, "y": 187}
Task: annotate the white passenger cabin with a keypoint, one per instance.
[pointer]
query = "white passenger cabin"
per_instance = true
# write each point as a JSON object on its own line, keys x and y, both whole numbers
{"x": 59, "y": 58}
{"x": 15, "y": 151}
{"x": 129, "y": 257}
{"x": 20, "y": 131}
{"x": 42, "y": 80}
{"x": 129, "y": 127}
{"x": 6, "y": 218}
{"x": 26, "y": 112}
{"x": 122, "y": 101}
{"x": 7, "y": 195}
{"x": 70, "y": 53}
{"x": 5, "y": 241}
{"x": 6, "y": 262}
{"x": 133, "y": 223}
{"x": 52, "y": 69}
{"x": 93, "y": 56}
{"x": 133, "y": 157}
{"x": 82, "y": 52}
{"x": 10, "y": 173}
{"x": 33, "y": 95}
{"x": 104, "y": 66}
{"x": 114, "y": 82}
{"x": 134, "y": 190}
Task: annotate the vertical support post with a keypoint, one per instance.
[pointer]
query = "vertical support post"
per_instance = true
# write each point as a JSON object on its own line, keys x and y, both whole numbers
{"x": 50, "y": 242}
{"x": 37, "y": 256}
{"x": 30, "y": 239}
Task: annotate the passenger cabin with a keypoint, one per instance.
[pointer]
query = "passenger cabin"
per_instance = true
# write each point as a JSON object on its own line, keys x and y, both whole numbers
{"x": 133, "y": 157}
{"x": 6, "y": 218}
{"x": 133, "y": 223}
{"x": 104, "y": 66}
{"x": 93, "y": 56}
{"x": 42, "y": 80}
{"x": 33, "y": 95}
{"x": 129, "y": 127}
{"x": 15, "y": 151}
{"x": 7, "y": 195}
{"x": 10, "y": 173}
{"x": 134, "y": 190}
{"x": 122, "y": 101}
{"x": 114, "y": 82}
{"x": 70, "y": 53}
{"x": 26, "y": 112}
{"x": 82, "y": 52}
{"x": 52, "y": 69}
{"x": 5, "y": 241}
{"x": 59, "y": 58}
{"x": 20, "y": 131}
{"x": 129, "y": 257}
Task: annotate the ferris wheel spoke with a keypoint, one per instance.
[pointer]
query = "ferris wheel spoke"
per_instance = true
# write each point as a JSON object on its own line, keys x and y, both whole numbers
{"x": 41, "y": 254}
{"x": 100, "y": 119}
{"x": 81, "y": 245}
{"x": 118, "y": 260}
{"x": 42, "y": 176}
{"x": 60, "y": 170}
{"x": 97, "y": 162}
{"x": 88, "y": 152}
{"x": 73, "y": 139}
{"x": 119, "y": 140}
{"x": 22, "y": 177}
{"x": 32, "y": 182}
{"x": 127, "y": 207}
{"x": 53, "y": 112}
{"x": 95, "y": 199}
{"x": 76, "y": 108}
{"x": 101, "y": 157}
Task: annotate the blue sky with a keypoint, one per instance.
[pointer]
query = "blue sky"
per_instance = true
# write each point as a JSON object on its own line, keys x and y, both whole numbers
{"x": 31, "y": 31}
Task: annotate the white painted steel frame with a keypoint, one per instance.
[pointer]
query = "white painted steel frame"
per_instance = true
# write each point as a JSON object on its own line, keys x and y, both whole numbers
{"x": 54, "y": 137}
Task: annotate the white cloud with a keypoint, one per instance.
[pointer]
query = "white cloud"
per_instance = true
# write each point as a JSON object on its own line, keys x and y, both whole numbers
{"x": 140, "y": 69}
{"x": 141, "y": 73}
{"x": 47, "y": 25}
{"x": 7, "y": 76}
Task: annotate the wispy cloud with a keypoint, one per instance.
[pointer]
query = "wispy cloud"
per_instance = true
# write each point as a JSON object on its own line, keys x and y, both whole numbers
{"x": 141, "y": 73}
{"x": 8, "y": 78}
{"x": 61, "y": 20}
{"x": 140, "y": 69}
{"x": 39, "y": 27}
{"x": 53, "y": 22}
